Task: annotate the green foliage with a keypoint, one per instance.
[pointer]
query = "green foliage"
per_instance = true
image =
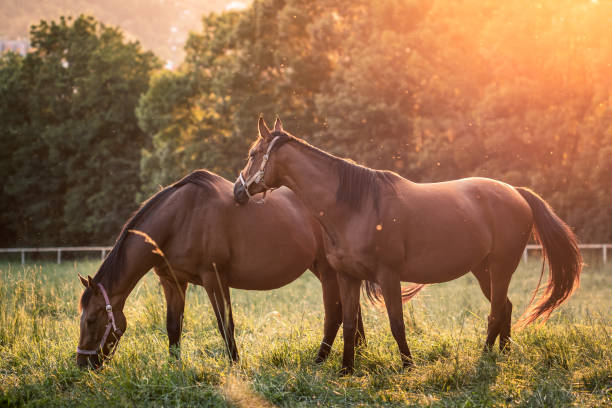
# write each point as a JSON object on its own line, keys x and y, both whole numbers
{"x": 188, "y": 112}
{"x": 434, "y": 91}
{"x": 565, "y": 362}
{"x": 77, "y": 140}
{"x": 240, "y": 65}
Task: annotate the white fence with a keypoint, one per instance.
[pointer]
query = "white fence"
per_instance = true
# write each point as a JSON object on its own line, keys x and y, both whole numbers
{"x": 103, "y": 250}
{"x": 59, "y": 250}
{"x": 603, "y": 247}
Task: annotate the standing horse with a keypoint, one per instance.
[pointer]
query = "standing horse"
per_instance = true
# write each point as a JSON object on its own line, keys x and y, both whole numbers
{"x": 386, "y": 229}
{"x": 206, "y": 240}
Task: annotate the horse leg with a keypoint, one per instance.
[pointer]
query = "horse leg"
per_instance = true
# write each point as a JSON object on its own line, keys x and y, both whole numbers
{"x": 333, "y": 309}
{"x": 219, "y": 297}
{"x": 504, "y": 333}
{"x": 175, "y": 306}
{"x": 500, "y": 318}
{"x": 392, "y": 294}
{"x": 360, "y": 339}
{"x": 349, "y": 294}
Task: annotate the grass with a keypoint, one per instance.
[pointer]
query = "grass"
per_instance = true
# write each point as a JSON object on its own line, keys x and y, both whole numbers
{"x": 566, "y": 362}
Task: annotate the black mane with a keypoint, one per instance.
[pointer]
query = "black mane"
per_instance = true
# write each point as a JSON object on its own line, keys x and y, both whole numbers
{"x": 357, "y": 182}
{"x": 112, "y": 265}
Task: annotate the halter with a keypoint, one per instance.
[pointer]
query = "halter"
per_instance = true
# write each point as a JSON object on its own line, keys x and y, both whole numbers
{"x": 259, "y": 177}
{"x": 109, "y": 325}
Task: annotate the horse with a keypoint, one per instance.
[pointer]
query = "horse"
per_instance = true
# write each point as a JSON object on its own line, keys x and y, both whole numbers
{"x": 386, "y": 229}
{"x": 200, "y": 236}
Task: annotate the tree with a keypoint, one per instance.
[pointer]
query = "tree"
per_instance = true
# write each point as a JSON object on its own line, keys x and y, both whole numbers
{"x": 241, "y": 64}
{"x": 75, "y": 169}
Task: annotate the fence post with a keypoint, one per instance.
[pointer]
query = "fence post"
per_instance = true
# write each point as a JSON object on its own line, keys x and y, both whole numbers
{"x": 605, "y": 253}
{"x": 103, "y": 253}
{"x": 525, "y": 255}
{"x": 59, "y": 256}
{"x": 22, "y": 257}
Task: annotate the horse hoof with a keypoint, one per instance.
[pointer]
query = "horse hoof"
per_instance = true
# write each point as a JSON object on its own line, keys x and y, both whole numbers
{"x": 320, "y": 359}
{"x": 344, "y": 371}
{"x": 407, "y": 365}
{"x": 487, "y": 348}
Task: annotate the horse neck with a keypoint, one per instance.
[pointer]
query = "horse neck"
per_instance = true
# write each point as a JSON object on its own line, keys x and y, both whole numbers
{"x": 313, "y": 178}
{"x": 138, "y": 259}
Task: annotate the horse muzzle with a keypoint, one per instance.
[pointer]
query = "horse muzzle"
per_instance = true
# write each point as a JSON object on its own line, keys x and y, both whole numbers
{"x": 93, "y": 361}
{"x": 240, "y": 194}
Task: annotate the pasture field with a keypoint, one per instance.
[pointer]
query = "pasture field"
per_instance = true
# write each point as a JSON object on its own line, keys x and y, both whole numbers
{"x": 566, "y": 362}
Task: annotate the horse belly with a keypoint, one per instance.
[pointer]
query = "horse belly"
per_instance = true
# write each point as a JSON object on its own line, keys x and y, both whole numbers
{"x": 265, "y": 279}
{"x": 438, "y": 265}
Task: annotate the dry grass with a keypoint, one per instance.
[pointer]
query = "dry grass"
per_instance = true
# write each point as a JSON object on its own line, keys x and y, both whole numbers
{"x": 565, "y": 362}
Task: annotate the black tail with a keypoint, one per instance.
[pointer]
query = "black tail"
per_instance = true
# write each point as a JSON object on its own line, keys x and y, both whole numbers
{"x": 560, "y": 247}
{"x": 374, "y": 292}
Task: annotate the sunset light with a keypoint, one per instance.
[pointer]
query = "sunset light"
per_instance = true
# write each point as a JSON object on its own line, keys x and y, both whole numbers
{"x": 304, "y": 203}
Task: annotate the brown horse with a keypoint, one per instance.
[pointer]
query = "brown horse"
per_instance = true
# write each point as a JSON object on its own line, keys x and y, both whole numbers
{"x": 207, "y": 240}
{"x": 383, "y": 228}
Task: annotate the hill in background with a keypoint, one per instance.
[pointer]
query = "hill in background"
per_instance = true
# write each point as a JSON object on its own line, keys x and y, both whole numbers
{"x": 160, "y": 25}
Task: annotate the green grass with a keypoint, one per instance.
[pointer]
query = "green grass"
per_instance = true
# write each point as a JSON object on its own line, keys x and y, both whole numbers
{"x": 565, "y": 362}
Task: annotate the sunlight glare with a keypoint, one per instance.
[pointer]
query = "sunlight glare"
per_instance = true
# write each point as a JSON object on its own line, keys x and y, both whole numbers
{"x": 235, "y": 6}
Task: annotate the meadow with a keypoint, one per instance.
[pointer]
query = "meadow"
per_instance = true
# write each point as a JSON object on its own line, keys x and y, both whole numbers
{"x": 565, "y": 362}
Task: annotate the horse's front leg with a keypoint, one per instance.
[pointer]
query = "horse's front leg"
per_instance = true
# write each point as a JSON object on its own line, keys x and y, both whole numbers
{"x": 349, "y": 294}
{"x": 332, "y": 307}
{"x": 175, "y": 306}
{"x": 392, "y": 294}
{"x": 333, "y": 311}
{"x": 219, "y": 296}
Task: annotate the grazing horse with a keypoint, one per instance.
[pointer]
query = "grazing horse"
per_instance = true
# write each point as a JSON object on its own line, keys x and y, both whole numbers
{"x": 203, "y": 237}
{"x": 386, "y": 229}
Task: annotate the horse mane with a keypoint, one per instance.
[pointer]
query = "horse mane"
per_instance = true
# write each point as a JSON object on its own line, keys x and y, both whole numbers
{"x": 357, "y": 182}
{"x": 112, "y": 265}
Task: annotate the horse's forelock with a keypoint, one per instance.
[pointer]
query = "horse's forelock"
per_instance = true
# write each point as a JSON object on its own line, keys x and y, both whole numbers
{"x": 84, "y": 301}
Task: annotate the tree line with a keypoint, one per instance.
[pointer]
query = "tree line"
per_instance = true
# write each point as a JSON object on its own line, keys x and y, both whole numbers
{"x": 91, "y": 125}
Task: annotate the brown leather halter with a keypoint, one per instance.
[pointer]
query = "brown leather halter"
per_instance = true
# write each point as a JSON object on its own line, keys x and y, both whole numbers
{"x": 111, "y": 324}
{"x": 259, "y": 176}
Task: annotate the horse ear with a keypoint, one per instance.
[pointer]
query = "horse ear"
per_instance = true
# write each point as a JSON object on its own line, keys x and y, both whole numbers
{"x": 92, "y": 285}
{"x": 84, "y": 281}
{"x": 264, "y": 132}
{"x": 278, "y": 125}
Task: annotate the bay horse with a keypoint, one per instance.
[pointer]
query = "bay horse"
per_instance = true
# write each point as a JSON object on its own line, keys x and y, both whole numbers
{"x": 383, "y": 228}
{"x": 204, "y": 238}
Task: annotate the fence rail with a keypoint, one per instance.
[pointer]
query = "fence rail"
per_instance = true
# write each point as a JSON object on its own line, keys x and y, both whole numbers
{"x": 603, "y": 247}
{"x": 59, "y": 250}
{"x": 104, "y": 249}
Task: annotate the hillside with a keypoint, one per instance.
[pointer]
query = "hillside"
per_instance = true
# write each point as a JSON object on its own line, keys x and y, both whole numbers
{"x": 160, "y": 25}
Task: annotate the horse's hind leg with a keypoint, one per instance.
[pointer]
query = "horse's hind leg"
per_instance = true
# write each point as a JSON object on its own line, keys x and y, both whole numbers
{"x": 175, "y": 306}
{"x": 220, "y": 299}
{"x": 360, "y": 339}
{"x": 494, "y": 285}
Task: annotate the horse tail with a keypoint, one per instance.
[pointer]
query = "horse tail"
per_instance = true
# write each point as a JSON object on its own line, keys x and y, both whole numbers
{"x": 374, "y": 292}
{"x": 560, "y": 247}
